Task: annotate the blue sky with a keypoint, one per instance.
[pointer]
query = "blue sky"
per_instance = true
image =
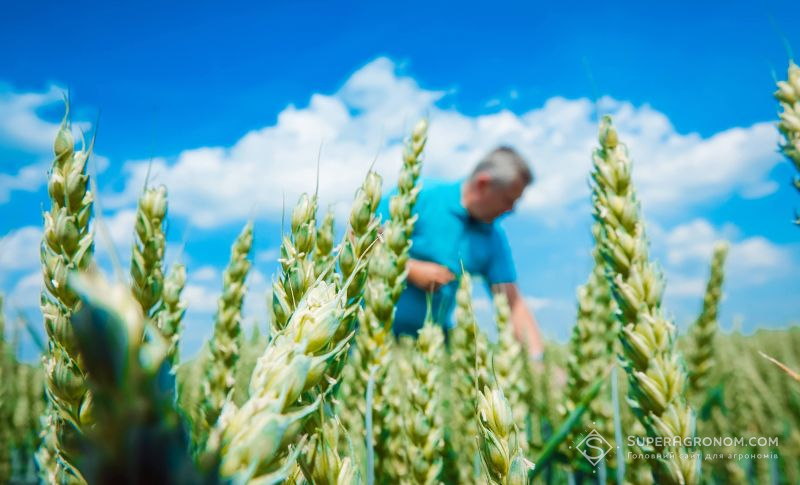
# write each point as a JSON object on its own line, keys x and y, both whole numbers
{"x": 233, "y": 103}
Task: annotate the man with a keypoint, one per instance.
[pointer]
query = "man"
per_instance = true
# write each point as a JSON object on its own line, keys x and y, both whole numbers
{"x": 458, "y": 224}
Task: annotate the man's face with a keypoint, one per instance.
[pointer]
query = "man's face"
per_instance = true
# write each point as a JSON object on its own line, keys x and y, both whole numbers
{"x": 494, "y": 200}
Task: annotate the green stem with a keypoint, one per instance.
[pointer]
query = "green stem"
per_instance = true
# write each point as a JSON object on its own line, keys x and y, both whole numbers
{"x": 552, "y": 445}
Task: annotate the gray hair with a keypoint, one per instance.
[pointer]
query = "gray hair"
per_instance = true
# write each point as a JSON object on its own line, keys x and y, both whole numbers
{"x": 505, "y": 166}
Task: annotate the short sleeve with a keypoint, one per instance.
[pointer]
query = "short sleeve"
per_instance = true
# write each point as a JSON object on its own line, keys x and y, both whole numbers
{"x": 501, "y": 265}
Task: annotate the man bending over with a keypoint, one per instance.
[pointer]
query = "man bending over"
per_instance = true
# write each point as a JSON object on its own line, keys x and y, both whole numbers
{"x": 458, "y": 223}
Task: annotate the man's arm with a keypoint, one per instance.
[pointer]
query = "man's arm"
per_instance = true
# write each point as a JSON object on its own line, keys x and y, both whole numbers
{"x": 428, "y": 276}
{"x": 526, "y": 330}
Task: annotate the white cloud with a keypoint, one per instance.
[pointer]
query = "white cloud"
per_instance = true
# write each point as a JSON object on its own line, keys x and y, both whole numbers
{"x": 206, "y": 275}
{"x": 201, "y": 299}
{"x": 270, "y": 255}
{"x": 672, "y": 171}
{"x": 27, "y": 290}
{"x": 21, "y": 127}
{"x": 19, "y": 249}
{"x": 23, "y": 131}
{"x": 756, "y": 259}
{"x": 376, "y": 107}
{"x": 759, "y": 190}
{"x": 537, "y": 303}
{"x": 29, "y": 177}
{"x": 692, "y": 242}
{"x": 750, "y": 262}
{"x": 683, "y": 286}
{"x": 213, "y": 185}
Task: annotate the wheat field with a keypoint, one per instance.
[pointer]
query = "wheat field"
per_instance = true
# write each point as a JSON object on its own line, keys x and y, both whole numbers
{"x": 331, "y": 396}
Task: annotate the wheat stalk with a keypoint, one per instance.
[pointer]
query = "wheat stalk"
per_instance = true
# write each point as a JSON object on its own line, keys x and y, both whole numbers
{"x": 8, "y": 396}
{"x": 509, "y": 363}
{"x": 147, "y": 260}
{"x": 323, "y": 249}
{"x": 791, "y": 373}
{"x": 323, "y": 464}
{"x": 700, "y": 353}
{"x": 170, "y": 314}
{"x": 220, "y": 372}
{"x": 424, "y": 425}
{"x": 67, "y": 246}
{"x": 359, "y": 241}
{"x": 386, "y": 279}
{"x": 655, "y": 370}
{"x": 466, "y": 345}
{"x": 788, "y": 94}
{"x": 397, "y": 411}
{"x": 386, "y": 274}
{"x": 28, "y": 406}
{"x": 502, "y": 463}
{"x": 353, "y": 258}
{"x": 591, "y": 349}
{"x": 253, "y": 439}
{"x": 296, "y": 263}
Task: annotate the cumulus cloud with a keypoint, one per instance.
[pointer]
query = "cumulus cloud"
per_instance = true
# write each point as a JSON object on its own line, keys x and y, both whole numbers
{"x": 21, "y": 127}
{"x": 19, "y": 249}
{"x": 751, "y": 261}
{"x": 374, "y": 110}
{"x": 206, "y": 274}
{"x": 684, "y": 286}
{"x": 201, "y": 298}
{"x": 537, "y": 303}
{"x": 29, "y": 137}
{"x": 26, "y": 292}
{"x": 269, "y": 255}
{"x": 213, "y": 185}
{"x": 29, "y": 177}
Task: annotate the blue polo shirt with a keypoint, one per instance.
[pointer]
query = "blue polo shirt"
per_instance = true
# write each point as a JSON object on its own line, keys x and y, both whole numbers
{"x": 445, "y": 233}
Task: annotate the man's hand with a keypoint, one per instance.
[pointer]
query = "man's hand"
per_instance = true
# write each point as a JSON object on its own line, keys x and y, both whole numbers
{"x": 428, "y": 276}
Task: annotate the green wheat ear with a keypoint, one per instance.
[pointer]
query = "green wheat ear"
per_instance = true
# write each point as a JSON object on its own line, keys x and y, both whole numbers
{"x": 67, "y": 245}
{"x": 502, "y": 464}
{"x": 297, "y": 265}
{"x": 788, "y": 94}
{"x": 147, "y": 261}
{"x": 424, "y": 425}
{"x": 700, "y": 353}
{"x": 225, "y": 345}
{"x": 656, "y": 374}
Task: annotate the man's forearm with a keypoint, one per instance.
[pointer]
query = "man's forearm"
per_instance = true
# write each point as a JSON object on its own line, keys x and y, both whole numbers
{"x": 427, "y": 275}
{"x": 411, "y": 278}
{"x": 526, "y": 329}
